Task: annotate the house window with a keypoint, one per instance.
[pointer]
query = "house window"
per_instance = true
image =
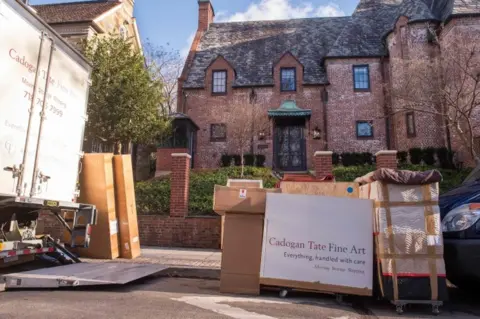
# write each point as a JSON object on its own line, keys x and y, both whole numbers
{"x": 410, "y": 121}
{"x": 364, "y": 129}
{"x": 219, "y": 82}
{"x": 123, "y": 32}
{"x": 218, "y": 132}
{"x": 288, "y": 79}
{"x": 361, "y": 78}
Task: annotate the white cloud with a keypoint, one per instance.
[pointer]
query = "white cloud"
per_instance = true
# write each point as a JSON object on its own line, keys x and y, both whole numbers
{"x": 186, "y": 49}
{"x": 281, "y": 9}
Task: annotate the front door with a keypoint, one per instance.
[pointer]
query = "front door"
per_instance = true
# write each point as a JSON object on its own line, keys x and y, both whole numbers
{"x": 290, "y": 147}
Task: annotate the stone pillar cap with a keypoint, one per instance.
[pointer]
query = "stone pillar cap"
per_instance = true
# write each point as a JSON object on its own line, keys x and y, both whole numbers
{"x": 181, "y": 155}
{"x": 386, "y": 153}
{"x": 323, "y": 153}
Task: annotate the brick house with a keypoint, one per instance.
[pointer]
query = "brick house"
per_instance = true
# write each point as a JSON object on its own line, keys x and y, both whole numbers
{"x": 320, "y": 82}
{"x": 78, "y": 21}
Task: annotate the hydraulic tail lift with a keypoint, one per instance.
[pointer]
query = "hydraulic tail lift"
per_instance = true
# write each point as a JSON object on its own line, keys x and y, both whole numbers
{"x": 18, "y": 239}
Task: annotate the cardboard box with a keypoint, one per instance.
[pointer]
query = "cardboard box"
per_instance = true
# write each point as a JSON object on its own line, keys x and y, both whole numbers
{"x": 242, "y": 253}
{"x": 240, "y": 200}
{"x": 97, "y": 188}
{"x": 243, "y": 210}
{"x": 243, "y": 183}
{"x": 126, "y": 207}
{"x": 340, "y": 189}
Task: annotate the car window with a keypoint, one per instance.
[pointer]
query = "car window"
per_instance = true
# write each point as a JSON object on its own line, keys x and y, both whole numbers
{"x": 474, "y": 176}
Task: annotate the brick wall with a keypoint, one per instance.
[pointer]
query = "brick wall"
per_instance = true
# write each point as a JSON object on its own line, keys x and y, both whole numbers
{"x": 323, "y": 164}
{"x": 190, "y": 232}
{"x": 345, "y": 107}
{"x": 164, "y": 231}
{"x": 386, "y": 159}
{"x": 461, "y": 34}
{"x": 164, "y": 158}
{"x": 408, "y": 42}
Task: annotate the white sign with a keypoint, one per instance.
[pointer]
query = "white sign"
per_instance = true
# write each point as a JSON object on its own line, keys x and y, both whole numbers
{"x": 113, "y": 227}
{"x": 317, "y": 239}
{"x": 243, "y": 193}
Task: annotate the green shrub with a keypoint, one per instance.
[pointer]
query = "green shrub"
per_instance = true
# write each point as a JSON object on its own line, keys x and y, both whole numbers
{"x": 402, "y": 157}
{"x": 445, "y": 158}
{"x": 415, "y": 155}
{"x": 202, "y": 185}
{"x": 226, "y": 160}
{"x": 260, "y": 160}
{"x": 428, "y": 156}
{"x": 249, "y": 159}
{"x": 237, "y": 160}
{"x": 348, "y": 159}
{"x": 353, "y": 159}
{"x": 366, "y": 158}
{"x": 153, "y": 197}
{"x": 335, "y": 158}
{"x": 348, "y": 174}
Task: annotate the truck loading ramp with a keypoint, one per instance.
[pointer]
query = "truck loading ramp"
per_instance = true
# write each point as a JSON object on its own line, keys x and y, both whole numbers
{"x": 80, "y": 274}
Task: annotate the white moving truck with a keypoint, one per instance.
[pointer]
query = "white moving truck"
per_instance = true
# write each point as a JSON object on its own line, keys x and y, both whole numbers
{"x": 44, "y": 84}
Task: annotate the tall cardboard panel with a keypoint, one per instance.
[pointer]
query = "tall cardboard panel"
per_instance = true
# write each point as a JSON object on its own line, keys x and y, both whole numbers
{"x": 126, "y": 207}
{"x": 97, "y": 188}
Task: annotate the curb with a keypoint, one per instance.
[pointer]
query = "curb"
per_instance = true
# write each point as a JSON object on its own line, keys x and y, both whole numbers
{"x": 191, "y": 273}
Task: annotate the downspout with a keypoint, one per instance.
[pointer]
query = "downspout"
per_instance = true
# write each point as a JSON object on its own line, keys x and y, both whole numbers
{"x": 325, "y": 117}
{"x": 385, "y": 104}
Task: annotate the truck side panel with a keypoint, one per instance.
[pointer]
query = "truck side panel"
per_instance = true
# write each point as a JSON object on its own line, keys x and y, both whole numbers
{"x": 61, "y": 136}
{"x": 19, "y": 50}
{"x": 61, "y": 88}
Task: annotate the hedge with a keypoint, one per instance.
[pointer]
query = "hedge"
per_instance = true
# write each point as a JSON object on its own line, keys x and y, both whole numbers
{"x": 153, "y": 197}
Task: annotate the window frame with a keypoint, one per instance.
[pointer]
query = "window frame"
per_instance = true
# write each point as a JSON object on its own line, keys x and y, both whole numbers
{"x": 226, "y": 82}
{"x": 355, "y": 89}
{"x": 294, "y": 79}
{"x": 414, "y": 133}
{"x": 361, "y": 136}
{"x": 218, "y": 139}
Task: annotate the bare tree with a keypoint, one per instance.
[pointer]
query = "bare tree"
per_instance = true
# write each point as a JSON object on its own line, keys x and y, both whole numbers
{"x": 445, "y": 84}
{"x": 167, "y": 65}
{"x": 246, "y": 122}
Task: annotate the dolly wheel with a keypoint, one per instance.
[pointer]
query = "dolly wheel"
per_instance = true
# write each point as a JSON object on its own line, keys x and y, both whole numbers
{"x": 399, "y": 309}
{"x": 283, "y": 293}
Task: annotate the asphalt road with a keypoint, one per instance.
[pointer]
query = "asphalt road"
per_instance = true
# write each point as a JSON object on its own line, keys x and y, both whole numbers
{"x": 199, "y": 299}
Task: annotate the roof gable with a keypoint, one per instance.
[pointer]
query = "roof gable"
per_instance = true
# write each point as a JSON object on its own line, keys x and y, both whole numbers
{"x": 84, "y": 11}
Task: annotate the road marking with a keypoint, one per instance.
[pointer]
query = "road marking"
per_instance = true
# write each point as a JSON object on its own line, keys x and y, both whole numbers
{"x": 213, "y": 304}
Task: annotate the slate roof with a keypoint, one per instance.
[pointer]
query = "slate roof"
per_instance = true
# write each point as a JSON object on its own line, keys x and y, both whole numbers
{"x": 74, "y": 11}
{"x": 252, "y": 48}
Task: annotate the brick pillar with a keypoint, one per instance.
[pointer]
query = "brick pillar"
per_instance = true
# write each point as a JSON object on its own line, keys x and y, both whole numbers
{"x": 386, "y": 159}
{"x": 179, "y": 184}
{"x": 323, "y": 164}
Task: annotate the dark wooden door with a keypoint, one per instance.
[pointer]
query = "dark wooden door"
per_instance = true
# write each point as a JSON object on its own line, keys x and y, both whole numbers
{"x": 290, "y": 148}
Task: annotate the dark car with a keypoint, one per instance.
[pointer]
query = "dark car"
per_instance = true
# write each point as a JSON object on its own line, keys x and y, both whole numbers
{"x": 460, "y": 213}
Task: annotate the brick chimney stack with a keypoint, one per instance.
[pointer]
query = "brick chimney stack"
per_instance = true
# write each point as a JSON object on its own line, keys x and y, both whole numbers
{"x": 205, "y": 14}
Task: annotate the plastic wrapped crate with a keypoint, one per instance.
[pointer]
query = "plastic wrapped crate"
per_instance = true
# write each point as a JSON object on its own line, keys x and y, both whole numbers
{"x": 408, "y": 240}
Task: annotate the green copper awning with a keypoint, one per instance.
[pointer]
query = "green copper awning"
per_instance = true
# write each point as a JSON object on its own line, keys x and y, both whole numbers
{"x": 289, "y": 108}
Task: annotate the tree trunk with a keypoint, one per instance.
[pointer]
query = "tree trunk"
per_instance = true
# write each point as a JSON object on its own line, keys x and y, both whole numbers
{"x": 242, "y": 161}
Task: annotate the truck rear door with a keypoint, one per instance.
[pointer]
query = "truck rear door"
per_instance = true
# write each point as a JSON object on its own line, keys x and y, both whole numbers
{"x": 20, "y": 45}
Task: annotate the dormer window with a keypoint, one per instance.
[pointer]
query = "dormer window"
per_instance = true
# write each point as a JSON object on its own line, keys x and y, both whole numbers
{"x": 219, "y": 83}
{"x": 288, "y": 79}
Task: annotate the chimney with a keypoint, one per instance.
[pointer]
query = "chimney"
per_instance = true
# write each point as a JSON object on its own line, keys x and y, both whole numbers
{"x": 205, "y": 14}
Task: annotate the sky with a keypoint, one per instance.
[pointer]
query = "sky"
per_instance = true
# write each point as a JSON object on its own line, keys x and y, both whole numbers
{"x": 172, "y": 24}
